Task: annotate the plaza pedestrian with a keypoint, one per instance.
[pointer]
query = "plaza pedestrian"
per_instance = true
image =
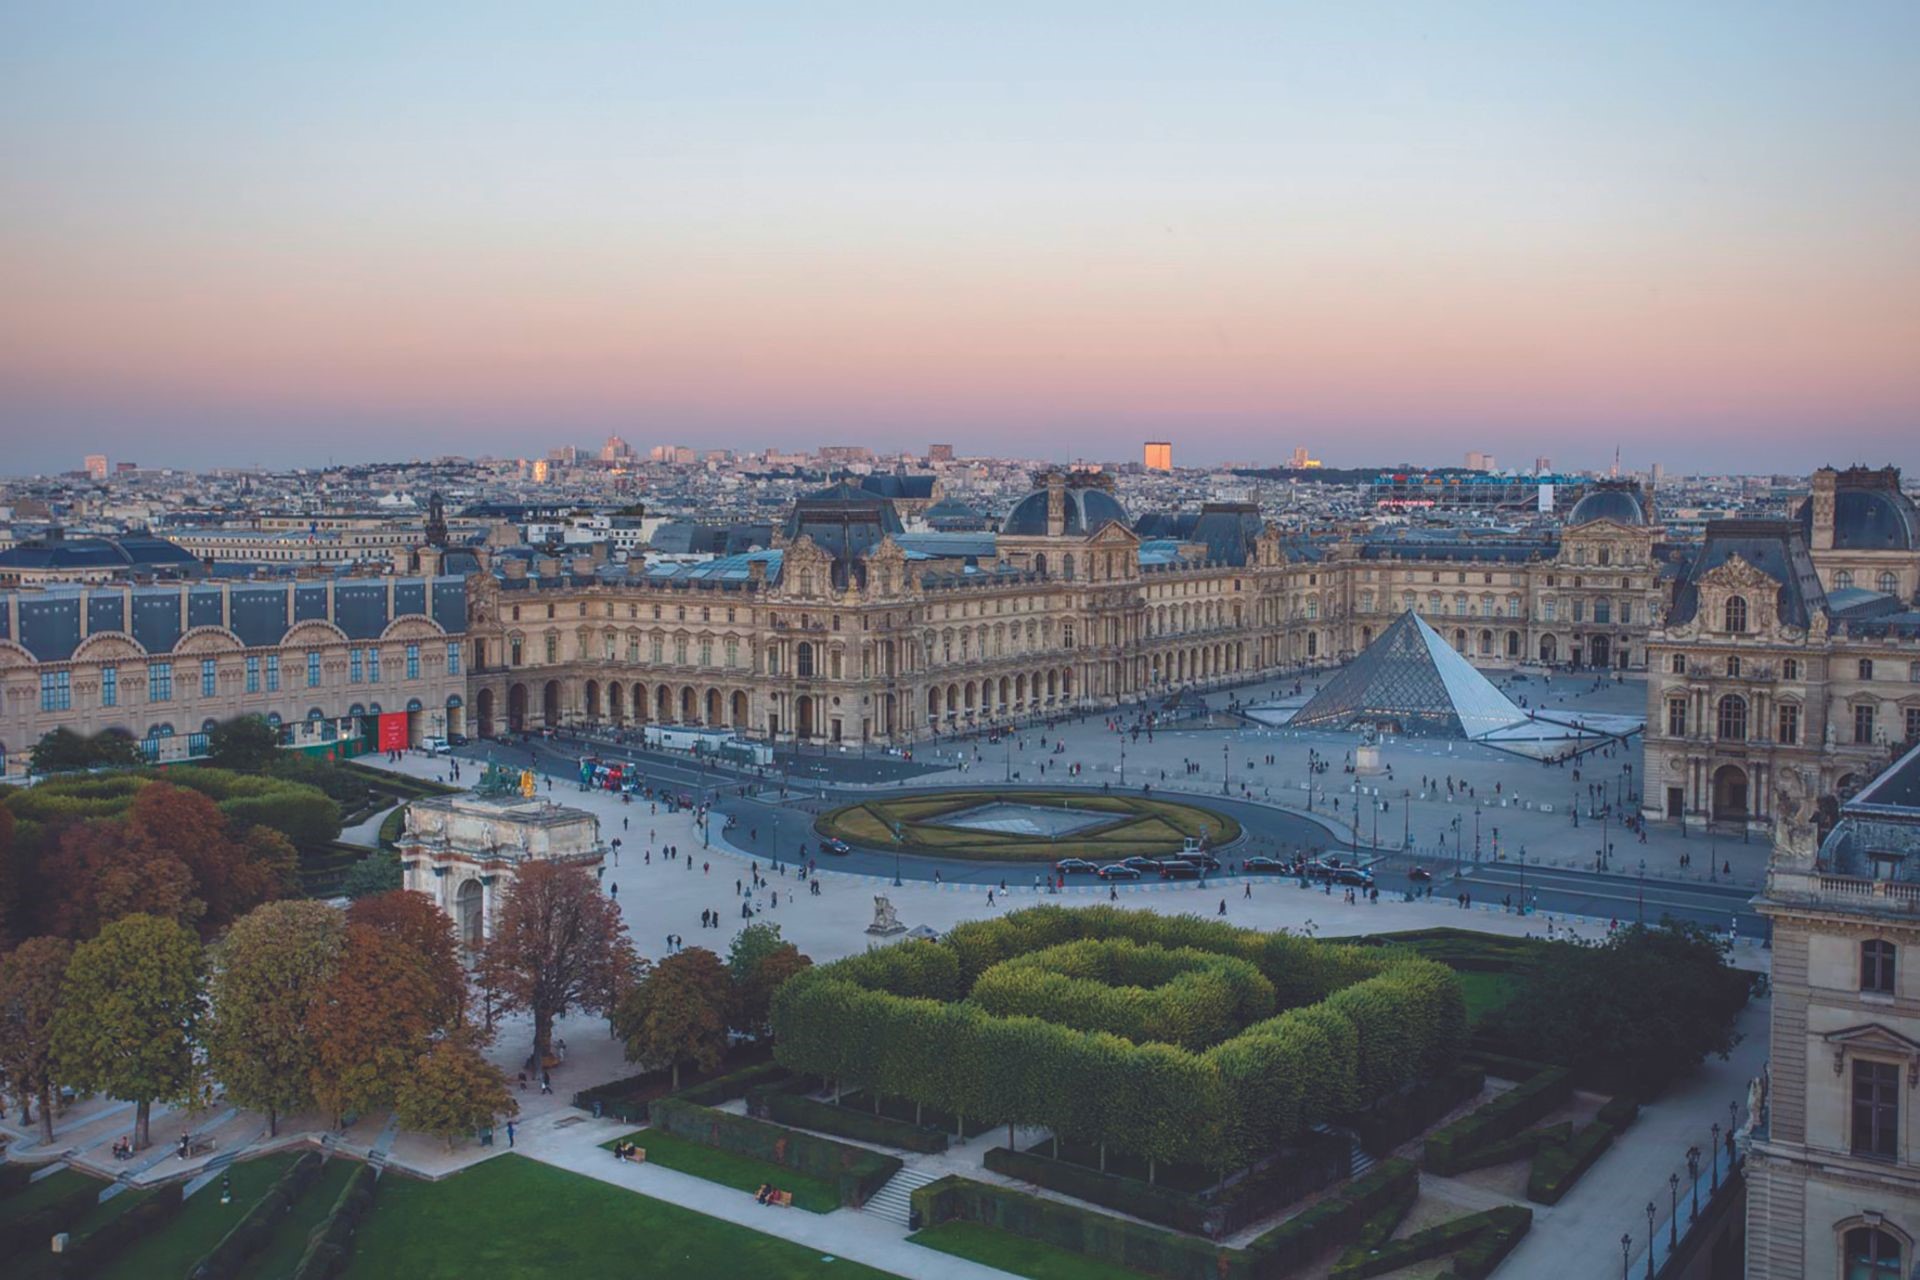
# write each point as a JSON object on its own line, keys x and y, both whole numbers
{"x": 509, "y": 1134}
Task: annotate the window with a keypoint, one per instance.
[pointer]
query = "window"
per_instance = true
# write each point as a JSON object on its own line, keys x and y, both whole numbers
{"x": 1789, "y": 734}
{"x": 1863, "y": 722}
{"x": 373, "y": 666}
{"x": 1843, "y": 580}
{"x": 1603, "y": 611}
{"x": 733, "y": 653}
{"x": 1871, "y": 1254}
{"x": 1733, "y": 664}
{"x": 1579, "y": 610}
{"x": 706, "y": 651}
{"x": 160, "y": 682}
{"x": 354, "y": 675}
{"x": 1733, "y": 615}
{"x": 1733, "y": 718}
{"x": 1866, "y": 668}
{"x": 56, "y": 690}
{"x": 1626, "y": 613}
{"x": 109, "y": 686}
{"x": 413, "y": 662}
{"x": 1790, "y": 669}
{"x": 553, "y": 647}
{"x": 1876, "y": 967}
{"x": 803, "y": 661}
{"x": 1676, "y": 717}
{"x": 1889, "y": 583}
{"x": 1876, "y": 1109}
{"x": 1678, "y": 664}
{"x": 313, "y": 668}
{"x": 209, "y": 678}
{"x": 253, "y": 673}
{"x": 656, "y": 649}
{"x": 453, "y": 657}
{"x": 1549, "y": 610}
{"x": 516, "y": 650}
{"x": 1913, "y": 724}
{"x": 680, "y": 651}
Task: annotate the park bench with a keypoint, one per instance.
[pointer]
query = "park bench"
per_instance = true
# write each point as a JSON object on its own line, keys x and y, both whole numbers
{"x": 784, "y": 1199}
{"x": 196, "y": 1147}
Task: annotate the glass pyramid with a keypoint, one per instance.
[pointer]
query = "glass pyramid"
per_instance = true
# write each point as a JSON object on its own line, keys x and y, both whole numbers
{"x": 1411, "y": 681}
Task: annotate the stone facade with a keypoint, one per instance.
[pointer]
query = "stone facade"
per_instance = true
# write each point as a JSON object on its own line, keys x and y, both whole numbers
{"x": 464, "y": 851}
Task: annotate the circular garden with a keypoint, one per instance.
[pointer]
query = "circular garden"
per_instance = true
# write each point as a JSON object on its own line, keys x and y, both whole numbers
{"x": 1016, "y": 825}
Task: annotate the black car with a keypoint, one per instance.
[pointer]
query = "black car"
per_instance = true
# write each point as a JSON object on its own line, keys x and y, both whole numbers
{"x": 1260, "y": 862}
{"x": 1076, "y": 866}
{"x": 1354, "y": 876}
{"x": 1317, "y": 870}
{"x": 1199, "y": 859}
{"x": 1139, "y": 863}
{"x": 1180, "y": 869}
{"x": 831, "y": 845}
{"x": 1419, "y": 873}
{"x": 456, "y": 739}
{"x": 1118, "y": 871}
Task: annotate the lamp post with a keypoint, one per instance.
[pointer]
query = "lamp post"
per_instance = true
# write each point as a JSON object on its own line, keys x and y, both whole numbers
{"x": 1640, "y": 907}
{"x": 1693, "y": 1175}
{"x": 1626, "y": 1248}
{"x": 1226, "y": 769}
{"x": 1476, "y": 830}
{"x": 1651, "y": 1213}
{"x": 1673, "y": 1212}
{"x": 1713, "y": 1168}
{"x": 1406, "y": 819}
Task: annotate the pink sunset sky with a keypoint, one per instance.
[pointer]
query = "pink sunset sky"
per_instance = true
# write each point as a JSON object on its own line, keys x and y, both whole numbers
{"x": 1387, "y": 232}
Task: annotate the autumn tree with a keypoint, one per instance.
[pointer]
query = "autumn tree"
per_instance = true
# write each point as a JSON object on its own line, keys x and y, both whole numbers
{"x": 452, "y": 1089}
{"x": 267, "y": 973}
{"x": 370, "y": 1021}
{"x": 413, "y": 920}
{"x": 560, "y": 946}
{"x": 94, "y": 876}
{"x": 230, "y": 876}
{"x": 758, "y": 962}
{"x": 31, "y": 979}
{"x": 129, "y": 1013}
{"x": 678, "y": 1012}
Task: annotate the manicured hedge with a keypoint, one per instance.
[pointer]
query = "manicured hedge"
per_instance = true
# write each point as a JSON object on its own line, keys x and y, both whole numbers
{"x": 1447, "y": 1150}
{"x": 1620, "y": 1110}
{"x": 33, "y": 1232}
{"x": 1556, "y": 1168}
{"x": 735, "y": 1084}
{"x": 1096, "y": 1235}
{"x": 1179, "y": 995}
{"x": 88, "y": 1255}
{"x": 851, "y": 1122}
{"x": 250, "y": 1235}
{"x": 1480, "y": 1241}
{"x": 626, "y": 1099}
{"x": 1413, "y": 1110}
{"x": 1505, "y": 1066}
{"x": 1379, "y": 1228}
{"x": 855, "y": 1171}
{"x": 330, "y": 1245}
{"x": 1336, "y": 1220}
{"x": 1163, "y": 1205}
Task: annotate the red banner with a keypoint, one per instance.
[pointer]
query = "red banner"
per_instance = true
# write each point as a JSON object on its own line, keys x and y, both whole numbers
{"x": 393, "y": 731}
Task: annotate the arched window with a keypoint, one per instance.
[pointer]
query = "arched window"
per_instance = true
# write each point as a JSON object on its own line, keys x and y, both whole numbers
{"x": 1889, "y": 582}
{"x": 1734, "y": 614}
{"x": 1842, "y": 579}
{"x": 1733, "y": 718}
{"x": 1871, "y": 1254}
{"x": 1876, "y": 967}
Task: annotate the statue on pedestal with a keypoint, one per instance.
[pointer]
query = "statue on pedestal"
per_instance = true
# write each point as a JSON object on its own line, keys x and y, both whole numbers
{"x": 886, "y": 921}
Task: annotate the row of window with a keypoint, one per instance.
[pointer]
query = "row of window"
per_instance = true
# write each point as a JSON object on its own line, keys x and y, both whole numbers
{"x": 1731, "y": 723}
{"x": 1733, "y": 665}
{"x": 1887, "y": 583}
{"x": 262, "y": 673}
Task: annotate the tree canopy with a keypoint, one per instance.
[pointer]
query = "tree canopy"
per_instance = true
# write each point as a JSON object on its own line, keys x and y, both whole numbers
{"x": 678, "y": 1012}
{"x": 451, "y": 1089}
{"x": 267, "y": 973}
{"x": 560, "y": 945}
{"x": 32, "y": 977}
{"x": 246, "y": 744}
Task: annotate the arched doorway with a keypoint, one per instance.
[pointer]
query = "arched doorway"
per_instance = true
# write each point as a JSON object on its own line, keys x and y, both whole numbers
{"x": 517, "y": 708}
{"x": 803, "y": 716}
{"x": 470, "y": 915}
{"x": 1599, "y": 651}
{"x": 616, "y": 702}
{"x": 1549, "y": 651}
{"x": 593, "y": 700}
{"x": 663, "y": 704}
{"x": 483, "y": 712}
{"x": 639, "y": 704}
{"x": 741, "y": 717}
{"x": 713, "y": 707}
{"x": 550, "y": 704}
{"x": 689, "y": 706}
{"x": 1729, "y": 794}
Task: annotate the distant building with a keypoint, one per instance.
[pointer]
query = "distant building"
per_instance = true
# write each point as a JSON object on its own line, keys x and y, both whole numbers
{"x": 1301, "y": 460}
{"x": 939, "y": 453}
{"x": 843, "y": 453}
{"x": 542, "y": 471}
{"x": 96, "y": 466}
{"x": 1159, "y": 455}
{"x": 615, "y": 450}
{"x": 1542, "y": 465}
{"x": 53, "y": 557}
{"x": 1478, "y": 461}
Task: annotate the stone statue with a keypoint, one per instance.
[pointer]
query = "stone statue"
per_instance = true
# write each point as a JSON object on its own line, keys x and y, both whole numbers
{"x": 886, "y": 921}
{"x": 1796, "y": 837}
{"x": 1756, "y": 1105}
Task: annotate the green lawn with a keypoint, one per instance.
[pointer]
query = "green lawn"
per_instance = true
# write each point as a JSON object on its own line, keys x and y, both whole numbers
{"x": 289, "y": 1241}
{"x": 199, "y": 1225}
{"x": 512, "y": 1218}
{"x": 1017, "y": 1254}
{"x": 1486, "y": 993}
{"x": 729, "y": 1170}
{"x": 38, "y": 1195}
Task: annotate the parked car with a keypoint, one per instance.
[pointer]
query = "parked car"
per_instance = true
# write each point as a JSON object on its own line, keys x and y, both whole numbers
{"x": 1179, "y": 869}
{"x": 1076, "y": 866}
{"x": 1261, "y": 862}
{"x": 434, "y": 746}
{"x": 1419, "y": 873}
{"x": 1318, "y": 870}
{"x": 1199, "y": 859}
{"x": 456, "y": 739}
{"x": 832, "y": 845}
{"x": 1118, "y": 871}
{"x": 1354, "y": 876}
{"x": 1139, "y": 863}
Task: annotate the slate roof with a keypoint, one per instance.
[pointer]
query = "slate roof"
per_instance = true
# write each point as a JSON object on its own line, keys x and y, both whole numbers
{"x": 1775, "y": 547}
{"x": 1088, "y": 509}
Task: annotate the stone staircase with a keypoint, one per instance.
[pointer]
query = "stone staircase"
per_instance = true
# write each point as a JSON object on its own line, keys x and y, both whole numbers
{"x": 894, "y": 1200}
{"x": 1358, "y": 1161}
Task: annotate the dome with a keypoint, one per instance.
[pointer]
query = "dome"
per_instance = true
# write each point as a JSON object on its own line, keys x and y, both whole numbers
{"x": 844, "y": 521}
{"x": 1868, "y": 520}
{"x": 1618, "y": 505}
{"x": 1087, "y": 510}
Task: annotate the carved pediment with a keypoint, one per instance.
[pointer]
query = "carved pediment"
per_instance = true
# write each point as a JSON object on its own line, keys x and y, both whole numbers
{"x": 204, "y": 640}
{"x": 1873, "y": 1037}
{"x": 1114, "y": 533}
{"x": 1738, "y": 574}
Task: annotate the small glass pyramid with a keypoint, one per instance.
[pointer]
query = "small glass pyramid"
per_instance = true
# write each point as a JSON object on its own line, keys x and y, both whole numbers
{"x": 1411, "y": 681}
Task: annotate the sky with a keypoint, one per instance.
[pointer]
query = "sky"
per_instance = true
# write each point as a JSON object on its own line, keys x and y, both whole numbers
{"x": 285, "y": 234}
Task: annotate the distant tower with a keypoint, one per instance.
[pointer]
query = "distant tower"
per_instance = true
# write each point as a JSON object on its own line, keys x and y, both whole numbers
{"x": 1159, "y": 455}
{"x": 436, "y": 522}
{"x": 96, "y": 466}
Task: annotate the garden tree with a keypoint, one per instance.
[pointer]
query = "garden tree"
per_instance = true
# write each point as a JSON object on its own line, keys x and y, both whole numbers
{"x": 1630, "y": 1015}
{"x": 412, "y": 920}
{"x": 759, "y": 962}
{"x": 129, "y": 1015}
{"x": 677, "y": 1012}
{"x": 452, "y": 1089}
{"x": 95, "y": 876}
{"x": 560, "y": 946}
{"x": 14, "y": 863}
{"x": 31, "y": 977}
{"x": 378, "y": 872}
{"x": 370, "y": 1021}
{"x": 267, "y": 972}
{"x": 245, "y": 744}
{"x": 227, "y": 877}
{"x": 63, "y": 750}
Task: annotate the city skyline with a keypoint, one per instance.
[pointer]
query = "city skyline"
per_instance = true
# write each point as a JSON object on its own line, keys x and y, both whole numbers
{"x": 238, "y": 238}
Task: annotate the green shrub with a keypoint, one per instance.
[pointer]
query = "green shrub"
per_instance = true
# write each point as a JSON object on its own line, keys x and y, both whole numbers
{"x": 855, "y": 1171}
{"x": 1505, "y": 1066}
{"x": 735, "y": 1084}
{"x": 1481, "y": 1240}
{"x": 851, "y": 1122}
{"x": 251, "y": 1234}
{"x": 1336, "y": 1220}
{"x": 91, "y": 1253}
{"x": 392, "y": 827}
{"x": 1447, "y": 1149}
{"x": 1066, "y": 1226}
{"x": 1127, "y": 1195}
{"x": 1620, "y": 1111}
{"x": 1379, "y": 1228}
{"x": 1556, "y": 1168}
{"x": 626, "y": 1099}
{"x": 1413, "y": 1110}
{"x": 330, "y": 1244}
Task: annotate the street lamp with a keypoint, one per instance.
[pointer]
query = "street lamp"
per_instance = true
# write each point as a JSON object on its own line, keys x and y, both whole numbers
{"x": 1673, "y": 1215}
{"x": 1714, "y": 1167}
{"x": 1626, "y": 1247}
{"x": 1640, "y": 908}
{"x": 1693, "y": 1174}
{"x": 1226, "y": 768}
{"x": 1651, "y": 1213}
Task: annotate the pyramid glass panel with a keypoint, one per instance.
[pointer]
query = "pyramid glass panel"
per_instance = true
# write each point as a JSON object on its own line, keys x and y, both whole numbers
{"x": 1411, "y": 681}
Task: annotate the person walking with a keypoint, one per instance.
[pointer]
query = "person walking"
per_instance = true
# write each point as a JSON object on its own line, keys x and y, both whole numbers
{"x": 509, "y": 1134}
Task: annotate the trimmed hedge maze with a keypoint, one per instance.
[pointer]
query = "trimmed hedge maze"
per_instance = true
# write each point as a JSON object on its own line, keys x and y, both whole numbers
{"x": 1194, "y": 1042}
{"x": 1130, "y": 826}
